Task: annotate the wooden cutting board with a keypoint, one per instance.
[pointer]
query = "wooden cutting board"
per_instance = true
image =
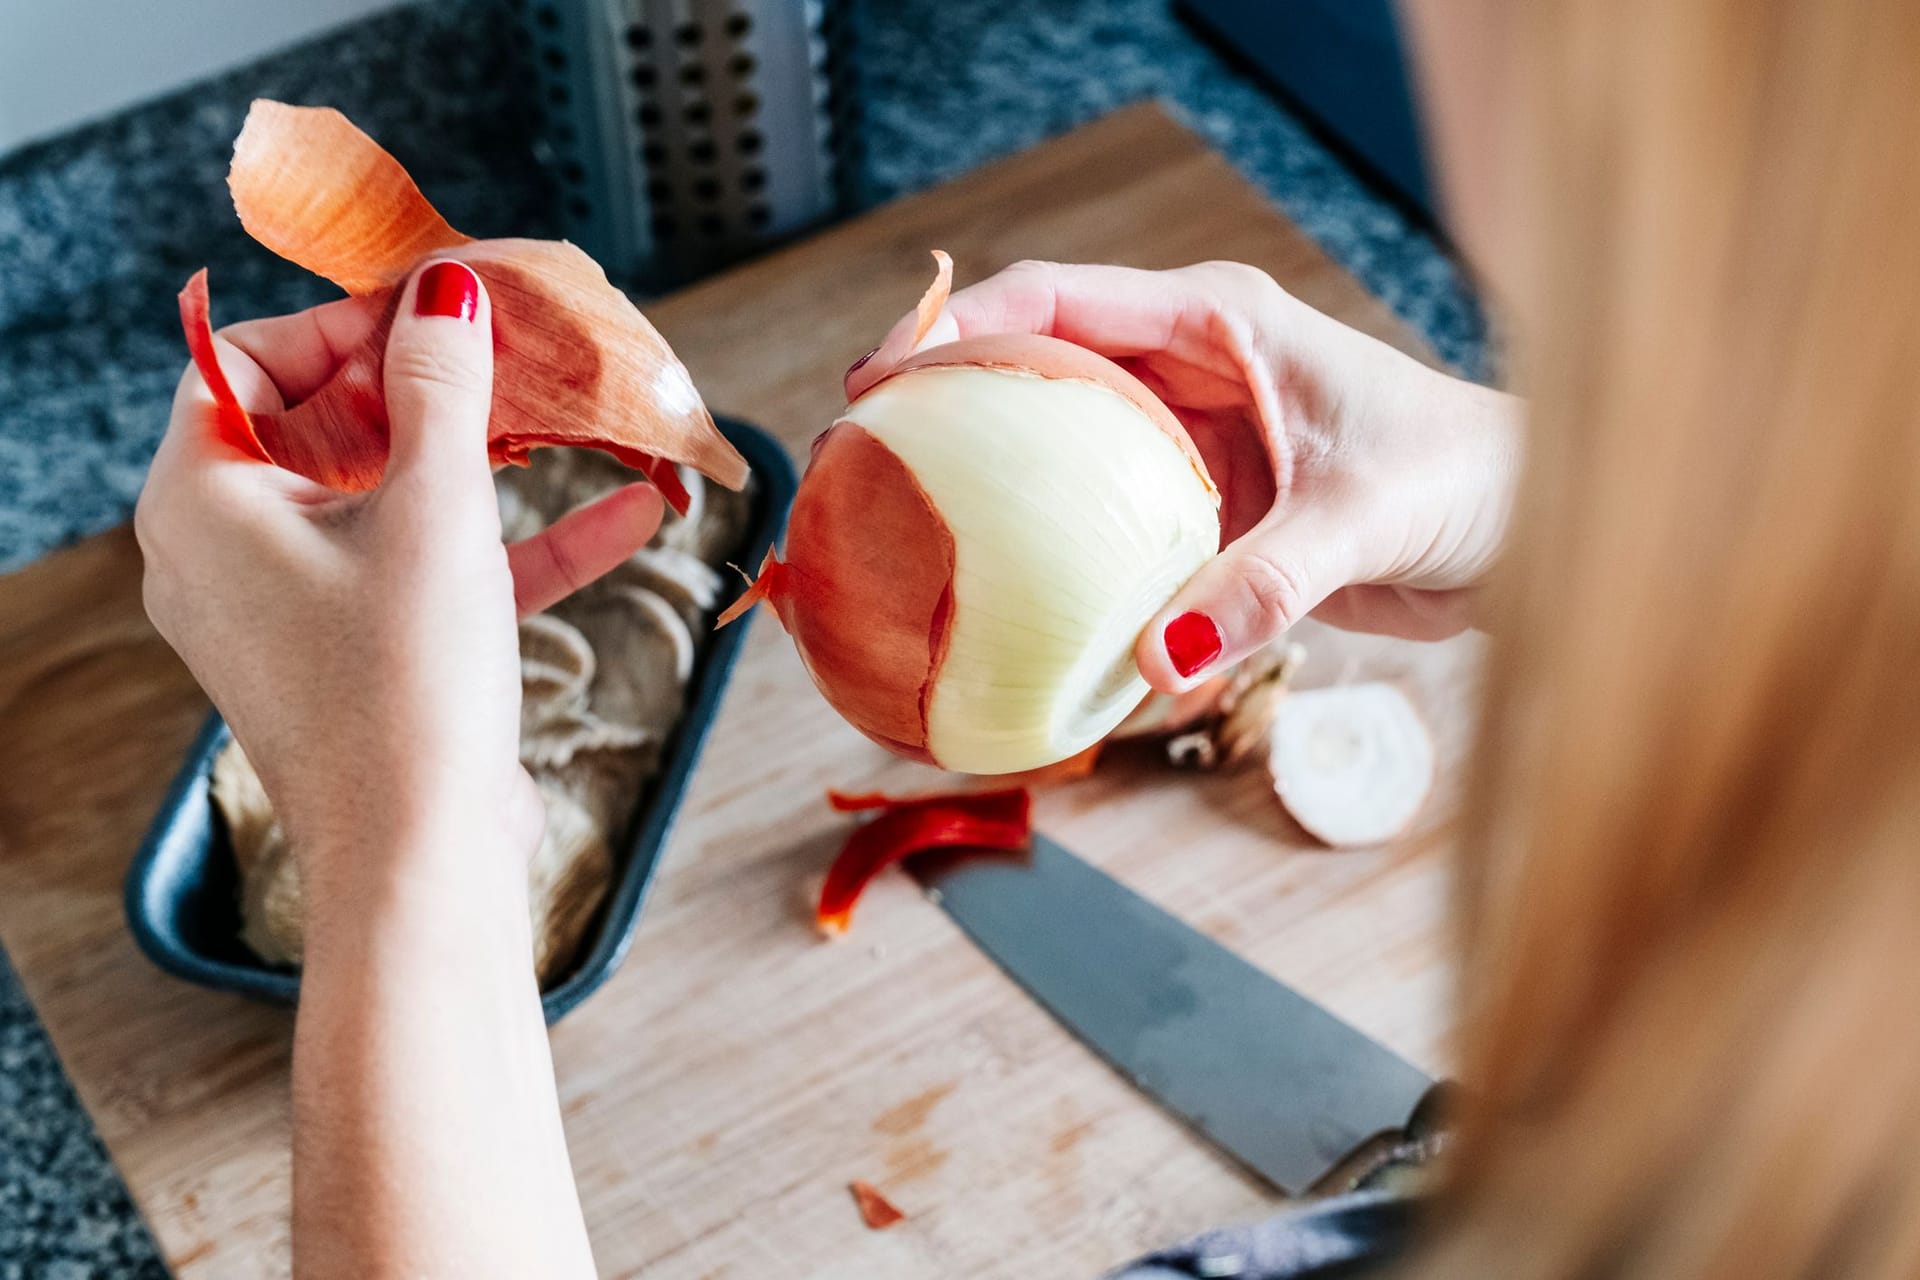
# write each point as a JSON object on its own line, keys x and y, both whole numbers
{"x": 725, "y": 1086}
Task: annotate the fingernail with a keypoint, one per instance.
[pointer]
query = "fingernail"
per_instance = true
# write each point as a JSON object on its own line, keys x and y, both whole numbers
{"x": 856, "y": 365}
{"x": 447, "y": 289}
{"x": 1192, "y": 642}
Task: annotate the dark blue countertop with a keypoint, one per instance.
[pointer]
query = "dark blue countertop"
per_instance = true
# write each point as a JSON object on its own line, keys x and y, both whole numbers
{"x": 98, "y": 229}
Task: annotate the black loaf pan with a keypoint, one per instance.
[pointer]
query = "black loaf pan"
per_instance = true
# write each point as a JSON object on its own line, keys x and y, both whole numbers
{"x": 183, "y": 889}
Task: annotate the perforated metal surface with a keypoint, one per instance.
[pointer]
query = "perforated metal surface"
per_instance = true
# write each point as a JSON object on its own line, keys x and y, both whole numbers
{"x": 686, "y": 133}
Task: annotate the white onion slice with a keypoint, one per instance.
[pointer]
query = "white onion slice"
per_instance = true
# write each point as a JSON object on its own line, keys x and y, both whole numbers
{"x": 1353, "y": 764}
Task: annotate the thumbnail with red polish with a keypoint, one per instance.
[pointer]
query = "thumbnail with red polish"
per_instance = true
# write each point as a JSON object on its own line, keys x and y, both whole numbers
{"x": 447, "y": 289}
{"x": 1192, "y": 642}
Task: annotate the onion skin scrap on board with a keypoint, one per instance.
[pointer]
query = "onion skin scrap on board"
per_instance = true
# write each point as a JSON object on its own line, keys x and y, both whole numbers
{"x": 905, "y": 826}
{"x": 977, "y": 543}
{"x": 575, "y": 363}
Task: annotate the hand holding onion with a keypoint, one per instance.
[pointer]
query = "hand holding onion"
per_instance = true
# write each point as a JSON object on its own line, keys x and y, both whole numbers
{"x": 1010, "y": 533}
{"x": 1358, "y": 486}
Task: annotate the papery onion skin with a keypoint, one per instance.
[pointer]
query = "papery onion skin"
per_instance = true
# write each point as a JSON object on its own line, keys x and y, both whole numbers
{"x": 903, "y": 826}
{"x": 876, "y": 1210}
{"x": 978, "y": 541}
{"x": 309, "y": 185}
{"x": 866, "y": 587}
{"x": 575, "y": 363}
{"x": 555, "y": 381}
{"x": 934, "y": 300}
{"x": 231, "y": 422}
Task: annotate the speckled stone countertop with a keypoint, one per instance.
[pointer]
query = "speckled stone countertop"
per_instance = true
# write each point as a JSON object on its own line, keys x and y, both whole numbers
{"x": 99, "y": 228}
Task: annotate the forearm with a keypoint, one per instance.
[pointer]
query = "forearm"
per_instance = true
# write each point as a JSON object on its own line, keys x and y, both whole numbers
{"x": 427, "y": 1135}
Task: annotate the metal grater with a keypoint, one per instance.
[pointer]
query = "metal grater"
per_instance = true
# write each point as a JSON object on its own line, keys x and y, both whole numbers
{"x": 685, "y": 134}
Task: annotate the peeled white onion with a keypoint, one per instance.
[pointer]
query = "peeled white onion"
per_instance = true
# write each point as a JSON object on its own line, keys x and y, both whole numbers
{"x": 977, "y": 544}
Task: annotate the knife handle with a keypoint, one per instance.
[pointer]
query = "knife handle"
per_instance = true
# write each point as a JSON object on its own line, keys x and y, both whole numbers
{"x": 1398, "y": 1160}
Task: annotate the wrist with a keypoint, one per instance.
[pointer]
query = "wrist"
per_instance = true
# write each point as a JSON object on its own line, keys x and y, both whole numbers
{"x": 371, "y": 821}
{"x": 412, "y": 872}
{"x": 407, "y": 938}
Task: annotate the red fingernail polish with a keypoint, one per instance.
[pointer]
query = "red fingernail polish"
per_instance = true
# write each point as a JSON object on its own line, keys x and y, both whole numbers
{"x": 447, "y": 289}
{"x": 855, "y": 366}
{"x": 1192, "y": 642}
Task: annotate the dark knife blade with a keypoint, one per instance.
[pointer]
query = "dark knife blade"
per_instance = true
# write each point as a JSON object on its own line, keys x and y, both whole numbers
{"x": 1271, "y": 1077}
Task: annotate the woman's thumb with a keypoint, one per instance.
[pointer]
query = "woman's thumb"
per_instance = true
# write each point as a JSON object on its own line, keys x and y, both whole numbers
{"x": 1242, "y": 599}
{"x": 439, "y": 374}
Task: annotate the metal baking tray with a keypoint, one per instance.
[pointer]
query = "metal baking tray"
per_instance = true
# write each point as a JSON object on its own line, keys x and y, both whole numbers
{"x": 182, "y": 891}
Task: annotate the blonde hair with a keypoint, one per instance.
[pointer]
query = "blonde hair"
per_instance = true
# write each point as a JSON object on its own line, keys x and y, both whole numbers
{"x": 1690, "y": 901}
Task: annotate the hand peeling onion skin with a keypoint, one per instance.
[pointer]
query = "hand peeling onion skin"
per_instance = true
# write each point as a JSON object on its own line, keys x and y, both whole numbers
{"x": 1073, "y": 518}
{"x": 1353, "y": 763}
{"x": 977, "y": 543}
{"x": 575, "y": 363}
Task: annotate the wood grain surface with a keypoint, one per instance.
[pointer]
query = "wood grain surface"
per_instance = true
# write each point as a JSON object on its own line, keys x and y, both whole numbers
{"x": 723, "y": 1089}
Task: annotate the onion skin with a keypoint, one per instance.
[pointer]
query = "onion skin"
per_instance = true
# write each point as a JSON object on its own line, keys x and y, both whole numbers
{"x": 973, "y": 821}
{"x": 934, "y": 300}
{"x": 876, "y": 1210}
{"x": 560, "y": 377}
{"x": 866, "y": 588}
{"x": 232, "y": 425}
{"x": 313, "y": 188}
{"x": 574, "y": 362}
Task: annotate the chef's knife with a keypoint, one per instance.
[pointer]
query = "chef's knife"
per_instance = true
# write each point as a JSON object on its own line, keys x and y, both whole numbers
{"x": 1271, "y": 1077}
